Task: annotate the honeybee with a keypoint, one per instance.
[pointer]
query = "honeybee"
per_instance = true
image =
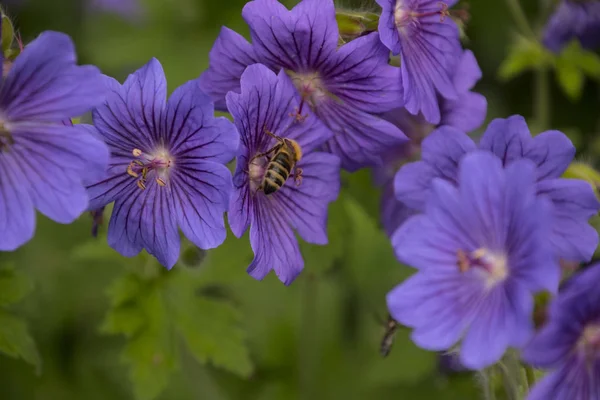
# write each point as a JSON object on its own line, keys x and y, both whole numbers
{"x": 388, "y": 338}
{"x": 287, "y": 153}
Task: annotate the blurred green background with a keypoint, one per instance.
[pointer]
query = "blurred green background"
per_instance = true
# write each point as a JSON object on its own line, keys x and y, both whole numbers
{"x": 106, "y": 327}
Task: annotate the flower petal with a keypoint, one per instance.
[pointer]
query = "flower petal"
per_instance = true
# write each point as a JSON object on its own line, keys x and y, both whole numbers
{"x": 130, "y": 118}
{"x": 495, "y": 327}
{"x": 299, "y": 39}
{"x": 574, "y": 202}
{"x": 201, "y": 193}
{"x": 467, "y": 72}
{"x": 442, "y": 151}
{"x": 158, "y": 224}
{"x": 466, "y": 114}
{"x": 45, "y": 84}
{"x": 573, "y": 380}
{"x": 551, "y": 345}
{"x": 429, "y": 54}
{"x": 116, "y": 185}
{"x": 393, "y": 212}
{"x": 229, "y": 57}
{"x": 507, "y": 138}
{"x": 265, "y": 103}
{"x": 359, "y": 138}
{"x": 388, "y": 32}
{"x": 433, "y": 304}
{"x": 17, "y": 214}
{"x": 552, "y": 151}
{"x": 55, "y": 161}
{"x": 274, "y": 244}
{"x": 192, "y": 130}
{"x": 305, "y": 206}
{"x": 432, "y": 240}
{"x": 361, "y": 77}
{"x": 125, "y": 222}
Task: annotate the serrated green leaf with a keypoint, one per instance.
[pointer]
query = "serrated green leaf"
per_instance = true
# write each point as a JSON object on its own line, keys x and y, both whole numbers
{"x": 212, "y": 333}
{"x": 151, "y": 353}
{"x": 152, "y": 360}
{"x": 126, "y": 288}
{"x": 127, "y": 320}
{"x": 524, "y": 54}
{"x": 15, "y": 340}
{"x": 14, "y": 286}
{"x": 570, "y": 78}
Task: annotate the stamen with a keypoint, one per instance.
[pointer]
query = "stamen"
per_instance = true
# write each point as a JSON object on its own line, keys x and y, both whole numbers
{"x": 493, "y": 266}
{"x": 159, "y": 163}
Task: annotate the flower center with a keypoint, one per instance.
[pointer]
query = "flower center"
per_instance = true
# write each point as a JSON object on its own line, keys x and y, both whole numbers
{"x": 493, "y": 267}
{"x": 256, "y": 172}
{"x": 404, "y": 17}
{"x": 589, "y": 342}
{"x": 6, "y": 139}
{"x": 311, "y": 89}
{"x": 145, "y": 164}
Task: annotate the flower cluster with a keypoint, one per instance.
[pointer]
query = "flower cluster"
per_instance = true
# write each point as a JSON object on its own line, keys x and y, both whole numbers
{"x": 486, "y": 224}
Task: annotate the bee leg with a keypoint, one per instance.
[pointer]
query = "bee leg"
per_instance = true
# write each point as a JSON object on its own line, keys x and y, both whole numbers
{"x": 298, "y": 176}
{"x": 274, "y": 136}
{"x": 266, "y": 153}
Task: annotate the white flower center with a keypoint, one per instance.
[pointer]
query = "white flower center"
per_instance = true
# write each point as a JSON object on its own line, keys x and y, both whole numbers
{"x": 493, "y": 267}
{"x": 158, "y": 163}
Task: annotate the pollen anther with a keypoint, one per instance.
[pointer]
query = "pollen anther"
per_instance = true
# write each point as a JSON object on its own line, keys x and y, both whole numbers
{"x": 136, "y": 152}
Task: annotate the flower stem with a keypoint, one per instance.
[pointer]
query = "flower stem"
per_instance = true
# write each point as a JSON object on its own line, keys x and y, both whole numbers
{"x": 542, "y": 97}
{"x": 487, "y": 383}
{"x": 307, "y": 359}
{"x": 520, "y": 19}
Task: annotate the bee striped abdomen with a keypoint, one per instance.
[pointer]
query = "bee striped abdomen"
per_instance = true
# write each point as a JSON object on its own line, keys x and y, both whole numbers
{"x": 278, "y": 171}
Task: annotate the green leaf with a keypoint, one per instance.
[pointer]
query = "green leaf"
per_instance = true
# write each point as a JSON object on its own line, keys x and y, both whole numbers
{"x": 570, "y": 78}
{"x": 587, "y": 61}
{"x": 15, "y": 340}
{"x": 151, "y": 311}
{"x": 524, "y": 54}
{"x": 212, "y": 333}
{"x": 14, "y": 286}
{"x": 8, "y": 33}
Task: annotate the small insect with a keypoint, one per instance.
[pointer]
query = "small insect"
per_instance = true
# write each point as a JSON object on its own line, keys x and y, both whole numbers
{"x": 388, "y": 338}
{"x": 286, "y": 153}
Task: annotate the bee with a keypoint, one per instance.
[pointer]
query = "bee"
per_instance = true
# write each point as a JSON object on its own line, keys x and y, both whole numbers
{"x": 388, "y": 338}
{"x": 286, "y": 153}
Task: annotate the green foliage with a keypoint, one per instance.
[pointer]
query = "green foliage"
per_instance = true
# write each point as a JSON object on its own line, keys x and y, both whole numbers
{"x": 15, "y": 340}
{"x": 572, "y": 66}
{"x": 8, "y": 34}
{"x": 154, "y": 309}
{"x": 524, "y": 54}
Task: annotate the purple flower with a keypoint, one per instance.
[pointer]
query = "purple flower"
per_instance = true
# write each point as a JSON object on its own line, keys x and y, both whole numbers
{"x": 265, "y": 108}
{"x": 344, "y": 87}
{"x": 166, "y": 169}
{"x": 569, "y": 343}
{"x": 574, "y": 19}
{"x": 481, "y": 251}
{"x": 44, "y": 164}
{"x": 573, "y": 200}
{"x": 467, "y": 113}
{"x": 427, "y": 40}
